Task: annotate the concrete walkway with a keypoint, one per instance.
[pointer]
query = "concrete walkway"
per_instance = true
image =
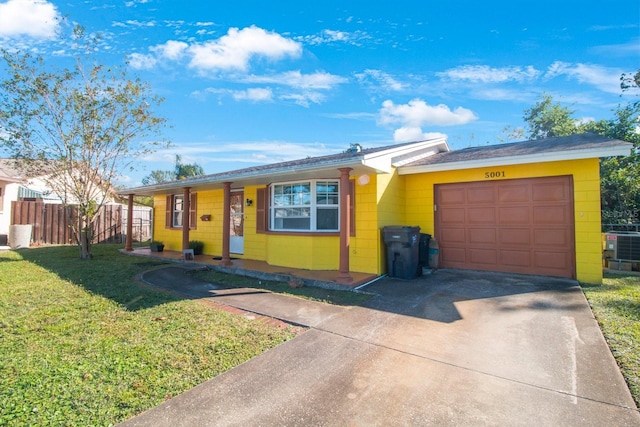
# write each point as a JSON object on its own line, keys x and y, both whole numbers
{"x": 453, "y": 348}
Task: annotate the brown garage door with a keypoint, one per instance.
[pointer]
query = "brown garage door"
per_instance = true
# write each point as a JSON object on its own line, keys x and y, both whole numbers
{"x": 517, "y": 226}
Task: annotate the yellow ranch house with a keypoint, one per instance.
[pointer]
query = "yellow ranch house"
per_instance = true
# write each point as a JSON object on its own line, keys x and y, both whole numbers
{"x": 529, "y": 207}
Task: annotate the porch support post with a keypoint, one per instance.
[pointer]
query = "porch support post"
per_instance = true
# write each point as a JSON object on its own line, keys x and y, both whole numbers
{"x": 186, "y": 216}
{"x": 345, "y": 225}
{"x": 128, "y": 245}
{"x": 226, "y": 220}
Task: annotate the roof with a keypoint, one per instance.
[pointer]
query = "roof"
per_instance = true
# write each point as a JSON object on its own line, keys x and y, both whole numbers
{"x": 373, "y": 160}
{"x": 573, "y": 147}
{"x": 8, "y": 172}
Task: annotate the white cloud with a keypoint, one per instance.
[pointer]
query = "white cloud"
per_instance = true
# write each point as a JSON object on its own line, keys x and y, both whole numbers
{"x": 136, "y": 23}
{"x": 237, "y": 48}
{"x": 263, "y": 152}
{"x": 418, "y": 113}
{"x": 603, "y": 78}
{"x": 32, "y": 18}
{"x": 630, "y": 48}
{"x": 379, "y": 79}
{"x": 254, "y": 94}
{"x": 305, "y": 98}
{"x": 410, "y": 134}
{"x": 171, "y": 50}
{"x": 141, "y": 61}
{"x": 486, "y": 74}
{"x": 318, "y": 80}
{"x": 334, "y": 36}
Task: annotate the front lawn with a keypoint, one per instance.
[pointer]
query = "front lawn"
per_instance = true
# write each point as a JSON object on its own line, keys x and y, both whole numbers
{"x": 616, "y": 305}
{"x": 82, "y": 344}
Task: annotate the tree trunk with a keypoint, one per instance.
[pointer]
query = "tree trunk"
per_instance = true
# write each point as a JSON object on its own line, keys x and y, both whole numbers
{"x": 85, "y": 244}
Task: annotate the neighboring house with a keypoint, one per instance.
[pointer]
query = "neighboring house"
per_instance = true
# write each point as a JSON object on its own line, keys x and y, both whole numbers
{"x": 531, "y": 207}
{"x": 15, "y": 187}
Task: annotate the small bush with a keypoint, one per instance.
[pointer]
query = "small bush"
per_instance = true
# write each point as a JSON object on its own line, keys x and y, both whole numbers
{"x": 197, "y": 246}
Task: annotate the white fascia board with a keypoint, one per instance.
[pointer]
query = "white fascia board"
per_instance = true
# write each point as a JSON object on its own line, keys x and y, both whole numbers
{"x": 555, "y": 156}
{"x": 385, "y": 161}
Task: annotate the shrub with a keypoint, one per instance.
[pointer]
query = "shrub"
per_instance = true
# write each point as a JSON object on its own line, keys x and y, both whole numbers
{"x": 197, "y": 246}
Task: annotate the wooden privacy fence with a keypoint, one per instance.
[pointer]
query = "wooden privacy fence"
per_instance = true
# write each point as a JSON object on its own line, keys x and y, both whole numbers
{"x": 51, "y": 222}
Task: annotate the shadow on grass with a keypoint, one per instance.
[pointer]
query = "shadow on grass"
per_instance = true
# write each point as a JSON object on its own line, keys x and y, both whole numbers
{"x": 109, "y": 274}
{"x": 434, "y": 297}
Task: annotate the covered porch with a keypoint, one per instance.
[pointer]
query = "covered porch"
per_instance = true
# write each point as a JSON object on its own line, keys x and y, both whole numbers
{"x": 261, "y": 270}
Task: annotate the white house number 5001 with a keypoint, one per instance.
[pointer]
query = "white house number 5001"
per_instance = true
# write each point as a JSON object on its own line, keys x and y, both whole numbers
{"x": 494, "y": 174}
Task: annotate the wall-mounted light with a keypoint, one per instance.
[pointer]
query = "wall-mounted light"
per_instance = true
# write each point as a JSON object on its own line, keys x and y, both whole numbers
{"x": 248, "y": 202}
{"x": 363, "y": 179}
{"x": 205, "y": 218}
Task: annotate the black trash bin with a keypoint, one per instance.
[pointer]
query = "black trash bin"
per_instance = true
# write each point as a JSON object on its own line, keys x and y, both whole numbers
{"x": 403, "y": 250}
{"x": 424, "y": 251}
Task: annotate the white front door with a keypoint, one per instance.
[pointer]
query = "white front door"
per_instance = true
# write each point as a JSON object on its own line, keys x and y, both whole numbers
{"x": 236, "y": 225}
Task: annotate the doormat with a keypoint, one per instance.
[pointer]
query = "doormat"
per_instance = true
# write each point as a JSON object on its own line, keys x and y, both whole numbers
{"x": 219, "y": 258}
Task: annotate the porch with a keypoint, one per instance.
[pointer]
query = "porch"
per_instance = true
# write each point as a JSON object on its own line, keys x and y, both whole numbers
{"x": 261, "y": 270}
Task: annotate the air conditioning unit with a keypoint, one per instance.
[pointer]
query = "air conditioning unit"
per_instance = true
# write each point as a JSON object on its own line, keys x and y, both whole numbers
{"x": 625, "y": 245}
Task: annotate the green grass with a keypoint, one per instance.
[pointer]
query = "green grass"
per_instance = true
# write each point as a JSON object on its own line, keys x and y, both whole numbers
{"x": 308, "y": 292}
{"x": 81, "y": 343}
{"x": 616, "y": 306}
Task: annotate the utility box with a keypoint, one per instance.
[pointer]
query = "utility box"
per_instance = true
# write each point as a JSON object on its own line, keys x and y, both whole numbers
{"x": 624, "y": 244}
{"x": 403, "y": 251}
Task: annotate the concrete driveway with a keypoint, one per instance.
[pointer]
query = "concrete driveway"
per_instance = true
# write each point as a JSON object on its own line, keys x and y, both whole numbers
{"x": 452, "y": 348}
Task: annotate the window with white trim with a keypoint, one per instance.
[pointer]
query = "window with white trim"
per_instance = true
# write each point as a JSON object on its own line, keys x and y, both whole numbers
{"x": 178, "y": 210}
{"x": 312, "y": 205}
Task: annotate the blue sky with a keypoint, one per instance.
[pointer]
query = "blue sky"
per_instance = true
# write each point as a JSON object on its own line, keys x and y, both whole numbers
{"x": 249, "y": 83}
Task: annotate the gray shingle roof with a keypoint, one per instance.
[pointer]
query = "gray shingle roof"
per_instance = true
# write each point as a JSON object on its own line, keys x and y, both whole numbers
{"x": 586, "y": 141}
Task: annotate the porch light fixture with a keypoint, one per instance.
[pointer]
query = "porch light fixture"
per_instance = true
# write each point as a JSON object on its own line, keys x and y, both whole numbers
{"x": 363, "y": 179}
{"x": 248, "y": 202}
{"x": 205, "y": 218}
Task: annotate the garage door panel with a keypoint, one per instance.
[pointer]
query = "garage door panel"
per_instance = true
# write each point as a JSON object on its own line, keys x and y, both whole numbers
{"x": 515, "y": 258}
{"x": 514, "y": 237}
{"x": 483, "y": 257}
{"x": 454, "y": 235}
{"x": 552, "y": 191}
{"x": 515, "y": 215}
{"x": 558, "y": 215}
{"x": 451, "y": 216}
{"x": 548, "y": 261}
{"x": 480, "y": 194}
{"x": 481, "y": 215}
{"x": 482, "y": 236}
{"x": 456, "y": 257}
{"x": 552, "y": 238}
{"x": 519, "y": 226}
{"x": 453, "y": 195}
{"x": 514, "y": 193}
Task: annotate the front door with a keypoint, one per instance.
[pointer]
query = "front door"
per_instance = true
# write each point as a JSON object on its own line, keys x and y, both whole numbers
{"x": 236, "y": 225}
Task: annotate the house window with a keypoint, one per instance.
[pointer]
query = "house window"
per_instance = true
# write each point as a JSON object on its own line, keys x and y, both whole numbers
{"x": 178, "y": 210}
{"x": 305, "y": 206}
{"x": 175, "y": 213}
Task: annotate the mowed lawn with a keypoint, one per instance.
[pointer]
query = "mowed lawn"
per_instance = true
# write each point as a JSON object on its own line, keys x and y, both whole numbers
{"x": 81, "y": 343}
{"x": 616, "y": 306}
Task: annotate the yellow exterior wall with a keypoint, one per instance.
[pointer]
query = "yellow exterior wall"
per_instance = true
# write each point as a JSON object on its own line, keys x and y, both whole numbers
{"x": 209, "y": 232}
{"x": 315, "y": 252}
{"x": 391, "y": 210}
{"x": 365, "y": 246}
{"x": 390, "y": 199}
{"x": 586, "y": 183}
